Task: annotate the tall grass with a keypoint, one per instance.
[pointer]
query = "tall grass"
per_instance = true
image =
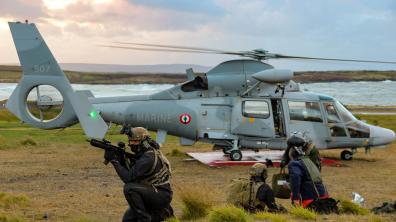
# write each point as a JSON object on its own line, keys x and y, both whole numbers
{"x": 9, "y": 200}
{"x": 196, "y": 202}
{"x": 348, "y": 207}
{"x": 270, "y": 217}
{"x": 229, "y": 213}
{"x": 303, "y": 213}
{"x": 8, "y": 218}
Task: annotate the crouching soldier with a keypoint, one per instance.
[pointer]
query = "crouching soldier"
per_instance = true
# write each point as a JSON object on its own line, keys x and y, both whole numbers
{"x": 147, "y": 181}
{"x": 254, "y": 194}
{"x": 306, "y": 184}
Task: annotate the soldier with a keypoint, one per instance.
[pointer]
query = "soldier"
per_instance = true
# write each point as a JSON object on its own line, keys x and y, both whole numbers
{"x": 253, "y": 194}
{"x": 306, "y": 184}
{"x": 147, "y": 181}
{"x": 309, "y": 149}
{"x": 262, "y": 193}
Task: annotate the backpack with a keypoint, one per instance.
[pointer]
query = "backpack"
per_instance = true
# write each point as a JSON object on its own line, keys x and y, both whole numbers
{"x": 242, "y": 193}
{"x": 324, "y": 206}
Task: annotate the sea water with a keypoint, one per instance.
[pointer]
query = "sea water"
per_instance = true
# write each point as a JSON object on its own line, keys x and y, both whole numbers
{"x": 381, "y": 93}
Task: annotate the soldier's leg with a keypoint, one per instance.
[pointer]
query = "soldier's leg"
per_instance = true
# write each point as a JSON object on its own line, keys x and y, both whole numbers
{"x": 144, "y": 199}
{"x": 129, "y": 216}
{"x": 133, "y": 194}
{"x": 266, "y": 195}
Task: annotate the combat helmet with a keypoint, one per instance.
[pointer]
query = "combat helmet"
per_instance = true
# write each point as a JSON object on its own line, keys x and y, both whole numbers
{"x": 258, "y": 170}
{"x": 138, "y": 133}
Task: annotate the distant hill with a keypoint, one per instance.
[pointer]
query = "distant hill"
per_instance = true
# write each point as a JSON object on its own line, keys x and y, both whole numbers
{"x": 149, "y": 69}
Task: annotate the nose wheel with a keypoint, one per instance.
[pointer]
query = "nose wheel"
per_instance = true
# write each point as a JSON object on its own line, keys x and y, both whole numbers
{"x": 235, "y": 155}
{"x": 346, "y": 155}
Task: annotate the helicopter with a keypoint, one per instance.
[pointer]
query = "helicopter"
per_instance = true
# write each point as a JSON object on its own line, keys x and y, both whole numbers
{"x": 239, "y": 104}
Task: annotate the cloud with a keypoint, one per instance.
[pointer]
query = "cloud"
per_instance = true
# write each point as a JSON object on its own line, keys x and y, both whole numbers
{"x": 208, "y": 7}
{"x": 21, "y": 9}
{"x": 329, "y": 28}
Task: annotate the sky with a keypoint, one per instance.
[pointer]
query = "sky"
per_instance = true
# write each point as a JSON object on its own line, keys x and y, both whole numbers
{"x": 350, "y": 29}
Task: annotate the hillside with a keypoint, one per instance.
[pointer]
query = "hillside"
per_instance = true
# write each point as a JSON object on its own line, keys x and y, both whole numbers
{"x": 12, "y": 74}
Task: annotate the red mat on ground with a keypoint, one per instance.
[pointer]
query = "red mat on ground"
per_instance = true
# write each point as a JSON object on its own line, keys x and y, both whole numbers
{"x": 217, "y": 159}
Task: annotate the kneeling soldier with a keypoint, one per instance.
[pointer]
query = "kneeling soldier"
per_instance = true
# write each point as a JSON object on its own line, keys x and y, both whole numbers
{"x": 147, "y": 181}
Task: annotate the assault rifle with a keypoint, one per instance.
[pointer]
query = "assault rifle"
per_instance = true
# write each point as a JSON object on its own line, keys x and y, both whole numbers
{"x": 124, "y": 157}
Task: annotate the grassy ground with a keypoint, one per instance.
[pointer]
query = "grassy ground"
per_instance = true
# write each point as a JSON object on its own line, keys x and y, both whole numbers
{"x": 64, "y": 179}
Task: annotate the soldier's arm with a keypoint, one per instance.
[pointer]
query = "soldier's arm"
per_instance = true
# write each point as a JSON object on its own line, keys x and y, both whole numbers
{"x": 141, "y": 167}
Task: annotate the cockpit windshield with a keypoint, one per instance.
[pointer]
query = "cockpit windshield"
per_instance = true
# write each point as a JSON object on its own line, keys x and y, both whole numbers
{"x": 344, "y": 113}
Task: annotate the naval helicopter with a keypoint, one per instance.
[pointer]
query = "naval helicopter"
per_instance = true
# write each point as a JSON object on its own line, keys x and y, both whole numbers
{"x": 239, "y": 104}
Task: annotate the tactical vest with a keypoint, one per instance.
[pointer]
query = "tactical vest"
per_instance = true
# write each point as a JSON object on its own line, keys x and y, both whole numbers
{"x": 163, "y": 175}
{"x": 313, "y": 170}
{"x": 243, "y": 192}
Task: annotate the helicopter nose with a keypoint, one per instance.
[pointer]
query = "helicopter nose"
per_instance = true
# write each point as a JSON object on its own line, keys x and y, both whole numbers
{"x": 380, "y": 136}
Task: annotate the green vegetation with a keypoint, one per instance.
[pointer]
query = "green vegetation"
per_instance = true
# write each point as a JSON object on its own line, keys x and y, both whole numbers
{"x": 303, "y": 213}
{"x": 348, "y": 207}
{"x": 10, "y": 200}
{"x": 172, "y": 219}
{"x": 387, "y": 121}
{"x": 270, "y": 217}
{"x": 28, "y": 142}
{"x": 8, "y": 218}
{"x": 196, "y": 203}
{"x": 229, "y": 213}
{"x": 177, "y": 153}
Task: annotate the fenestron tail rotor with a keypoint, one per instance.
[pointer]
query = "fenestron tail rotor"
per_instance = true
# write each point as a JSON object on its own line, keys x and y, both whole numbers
{"x": 258, "y": 54}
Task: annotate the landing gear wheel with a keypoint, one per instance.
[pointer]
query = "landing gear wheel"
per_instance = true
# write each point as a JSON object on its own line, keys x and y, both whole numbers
{"x": 236, "y": 155}
{"x": 346, "y": 155}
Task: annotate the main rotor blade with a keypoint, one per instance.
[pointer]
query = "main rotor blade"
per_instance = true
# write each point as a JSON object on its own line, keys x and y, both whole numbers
{"x": 174, "y": 47}
{"x": 170, "y": 50}
{"x": 280, "y": 56}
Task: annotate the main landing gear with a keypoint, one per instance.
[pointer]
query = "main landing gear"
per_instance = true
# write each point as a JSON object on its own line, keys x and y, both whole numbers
{"x": 348, "y": 155}
{"x": 234, "y": 151}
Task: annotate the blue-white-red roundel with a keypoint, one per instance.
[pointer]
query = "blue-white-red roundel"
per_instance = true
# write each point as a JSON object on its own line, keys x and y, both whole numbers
{"x": 185, "y": 118}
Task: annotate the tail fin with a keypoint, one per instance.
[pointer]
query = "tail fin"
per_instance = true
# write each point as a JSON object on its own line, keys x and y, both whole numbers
{"x": 40, "y": 68}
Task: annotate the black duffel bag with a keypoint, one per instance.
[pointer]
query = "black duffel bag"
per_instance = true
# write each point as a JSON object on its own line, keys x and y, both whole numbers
{"x": 324, "y": 206}
{"x": 281, "y": 191}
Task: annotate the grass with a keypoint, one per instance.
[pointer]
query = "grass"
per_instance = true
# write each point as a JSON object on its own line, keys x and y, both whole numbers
{"x": 270, "y": 217}
{"x": 348, "y": 207}
{"x": 8, "y": 218}
{"x": 303, "y": 213}
{"x": 196, "y": 202}
{"x": 65, "y": 177}
{"x": 9, "y": 200}
{"x": 229, "y": 213}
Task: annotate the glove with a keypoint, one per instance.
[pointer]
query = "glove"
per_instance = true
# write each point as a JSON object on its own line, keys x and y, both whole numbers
{"x": 282, "y": 164}
{"x": 109, "y": 155}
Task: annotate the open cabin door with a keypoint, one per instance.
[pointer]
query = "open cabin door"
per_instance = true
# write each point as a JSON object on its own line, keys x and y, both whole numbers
{"x": 253, "y": 117}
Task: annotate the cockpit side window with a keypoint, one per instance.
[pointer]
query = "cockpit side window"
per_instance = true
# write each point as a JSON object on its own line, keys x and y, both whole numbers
{"x": 332, "y": 115}
{"x": 198, "y": 84}
{"x": 305, "y": 111}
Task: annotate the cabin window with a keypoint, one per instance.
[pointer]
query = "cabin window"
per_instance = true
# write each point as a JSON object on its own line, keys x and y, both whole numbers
{"x": 332, "y": 115}
{"x": 305, "y": 111}
{"x": 256, "y": 109}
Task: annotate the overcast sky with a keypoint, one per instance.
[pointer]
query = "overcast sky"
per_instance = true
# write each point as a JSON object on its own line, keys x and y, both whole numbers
{"x": 350, "y": 29}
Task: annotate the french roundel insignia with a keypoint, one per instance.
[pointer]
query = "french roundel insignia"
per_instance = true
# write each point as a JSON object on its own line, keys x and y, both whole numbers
{"x": 185, "y": 118}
